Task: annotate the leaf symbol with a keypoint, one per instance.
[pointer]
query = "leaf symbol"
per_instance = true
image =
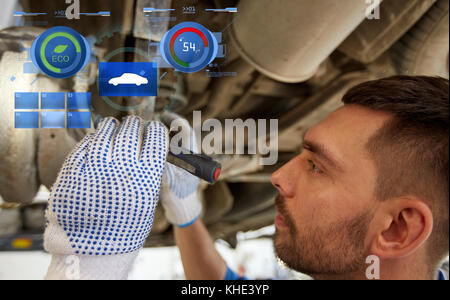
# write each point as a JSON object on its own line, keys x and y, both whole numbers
{"x": 60, "y": 48}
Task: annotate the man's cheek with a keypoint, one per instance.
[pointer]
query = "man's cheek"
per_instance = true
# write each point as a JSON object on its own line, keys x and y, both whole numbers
{"x": 312, "y": 205}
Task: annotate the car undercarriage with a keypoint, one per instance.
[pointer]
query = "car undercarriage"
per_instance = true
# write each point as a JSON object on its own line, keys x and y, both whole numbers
{"x": 292, "y": 64}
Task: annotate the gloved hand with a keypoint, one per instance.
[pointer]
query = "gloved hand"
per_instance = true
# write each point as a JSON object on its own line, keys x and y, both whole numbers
{"x": 179, "y": 190}
{"x": 102, "y": 204}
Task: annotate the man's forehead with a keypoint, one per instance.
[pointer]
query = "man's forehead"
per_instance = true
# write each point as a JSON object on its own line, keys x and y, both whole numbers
{"x": 346, "y": 131}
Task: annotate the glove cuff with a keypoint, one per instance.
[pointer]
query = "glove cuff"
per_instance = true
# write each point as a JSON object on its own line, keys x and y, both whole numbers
{"x": 182, "y": 212}
{"x": 56, "y": 240}
{"x": 71, "y": 267}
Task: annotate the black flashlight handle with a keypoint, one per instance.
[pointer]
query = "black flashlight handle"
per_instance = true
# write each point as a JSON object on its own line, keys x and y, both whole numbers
{"x": 201, "y": 166}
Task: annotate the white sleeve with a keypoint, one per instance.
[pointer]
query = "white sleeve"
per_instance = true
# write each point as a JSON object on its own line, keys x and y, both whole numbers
{"x": 71, "y": 267}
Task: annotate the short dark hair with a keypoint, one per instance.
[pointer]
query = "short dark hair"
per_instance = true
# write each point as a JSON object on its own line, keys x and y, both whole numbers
{"x": 411, "y": 151}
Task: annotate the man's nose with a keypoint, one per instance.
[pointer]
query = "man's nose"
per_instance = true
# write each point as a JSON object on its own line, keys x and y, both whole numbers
{"x": 285, "y": 178}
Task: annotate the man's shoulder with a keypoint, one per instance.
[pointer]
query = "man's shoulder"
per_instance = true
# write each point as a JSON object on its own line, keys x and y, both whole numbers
{"x": 442, "y": 275}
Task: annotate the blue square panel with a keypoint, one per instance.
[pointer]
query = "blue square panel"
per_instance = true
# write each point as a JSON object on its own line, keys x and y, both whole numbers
{"x": 30, "y": 68}
{"x": 128, "y": 79}
{"x": 78, "y": 119}
{"x": 79, "y": 101}
{"x": 26, "y": 101}
{"x": 53, "y": 101}
{"x": 53, "y": 119}
{"x": 26, "y": 120}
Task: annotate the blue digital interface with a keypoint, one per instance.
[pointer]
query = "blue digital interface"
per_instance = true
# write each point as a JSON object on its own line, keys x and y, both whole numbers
{"x": 26, "y": 120}
{"x": 78, "y": 119}
{"x": 128, "y": 79}
{"x": 189, "y": 47}
{"x": 53, "y": 119}
{"x": 78, "y": 100}
{"x": 53, "y": 100}
{"x": 26, "y": 101}
{"x": 56, "y": 110}
{"x": 30, "y": 68}
{"x": 60, "y": 52}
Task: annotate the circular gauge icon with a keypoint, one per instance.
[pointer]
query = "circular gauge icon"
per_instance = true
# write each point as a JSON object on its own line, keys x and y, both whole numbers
{"x": 60, "y": 52}
{"x": 189, "y": 47}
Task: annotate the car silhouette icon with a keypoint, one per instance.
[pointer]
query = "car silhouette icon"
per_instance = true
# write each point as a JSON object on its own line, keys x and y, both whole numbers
{"x": 128, "y": 78}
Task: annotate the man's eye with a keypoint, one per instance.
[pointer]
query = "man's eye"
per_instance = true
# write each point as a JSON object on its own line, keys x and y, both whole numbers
{"x": 314, "y": 167}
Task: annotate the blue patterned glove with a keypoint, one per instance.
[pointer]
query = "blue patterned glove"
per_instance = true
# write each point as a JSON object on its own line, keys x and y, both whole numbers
{"x": 104, "y": 198}
{"x": 179, "y": 191}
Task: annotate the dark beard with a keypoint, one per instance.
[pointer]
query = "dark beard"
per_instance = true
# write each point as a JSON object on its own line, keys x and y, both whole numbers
{"x": 338, "y": 249}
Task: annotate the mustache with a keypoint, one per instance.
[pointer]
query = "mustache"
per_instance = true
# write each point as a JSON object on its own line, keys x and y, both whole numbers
{"x": 280, "y": 204}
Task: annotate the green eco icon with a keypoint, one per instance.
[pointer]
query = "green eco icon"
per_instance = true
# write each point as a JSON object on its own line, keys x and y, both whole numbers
{"x": 60, "y": 49}
{"x": 60, "y": 52}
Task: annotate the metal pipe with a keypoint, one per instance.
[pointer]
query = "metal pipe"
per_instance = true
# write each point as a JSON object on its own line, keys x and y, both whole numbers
{"x": 287, "y": 40}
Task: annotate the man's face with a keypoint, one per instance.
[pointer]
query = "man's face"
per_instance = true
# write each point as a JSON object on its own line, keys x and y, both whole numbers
{"x": 326, "y": 200}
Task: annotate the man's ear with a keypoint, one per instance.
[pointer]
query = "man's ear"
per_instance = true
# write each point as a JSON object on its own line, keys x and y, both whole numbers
{"x": 407, "y": 224}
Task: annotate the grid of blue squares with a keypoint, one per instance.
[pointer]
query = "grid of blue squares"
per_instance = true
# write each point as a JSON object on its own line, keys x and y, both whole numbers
{"x": 53, "y": 112}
